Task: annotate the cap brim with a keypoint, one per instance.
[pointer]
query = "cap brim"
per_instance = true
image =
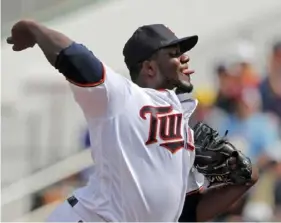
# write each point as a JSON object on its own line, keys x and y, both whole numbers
{"x": 186, "y": 43}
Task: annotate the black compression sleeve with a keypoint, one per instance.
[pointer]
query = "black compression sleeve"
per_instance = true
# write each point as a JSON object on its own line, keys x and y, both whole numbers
{"x": 80, "y": 66}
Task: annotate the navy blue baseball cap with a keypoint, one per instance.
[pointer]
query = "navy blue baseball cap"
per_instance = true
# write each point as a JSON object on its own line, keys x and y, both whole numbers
{"x": 147, "y": 39}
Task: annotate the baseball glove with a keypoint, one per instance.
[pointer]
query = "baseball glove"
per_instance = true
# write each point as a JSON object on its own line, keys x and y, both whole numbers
{"x": 217, "y": 159}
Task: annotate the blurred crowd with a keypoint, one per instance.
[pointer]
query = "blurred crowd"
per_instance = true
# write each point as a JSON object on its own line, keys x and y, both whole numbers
{"x": 247, "y": 103}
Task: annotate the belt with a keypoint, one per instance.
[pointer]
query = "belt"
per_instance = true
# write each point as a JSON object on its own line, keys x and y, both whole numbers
{"x": 72, "y": 201}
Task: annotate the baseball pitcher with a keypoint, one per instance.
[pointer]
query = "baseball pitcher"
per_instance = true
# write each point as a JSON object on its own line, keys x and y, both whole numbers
{"x": 142, "y": 146}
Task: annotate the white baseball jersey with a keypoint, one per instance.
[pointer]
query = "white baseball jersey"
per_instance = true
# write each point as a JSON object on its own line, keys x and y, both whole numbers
{"x": 142, "y": 149}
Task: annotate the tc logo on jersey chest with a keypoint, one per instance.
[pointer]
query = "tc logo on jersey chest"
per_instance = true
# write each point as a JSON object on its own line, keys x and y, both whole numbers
{"x": 165, "y": 126}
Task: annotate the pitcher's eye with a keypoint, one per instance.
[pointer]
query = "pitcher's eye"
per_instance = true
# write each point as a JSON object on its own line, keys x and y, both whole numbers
{"x": 175, "y": 53}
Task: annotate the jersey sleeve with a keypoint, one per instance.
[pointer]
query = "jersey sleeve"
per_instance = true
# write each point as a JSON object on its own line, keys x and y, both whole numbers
{"x": 104, "y": 99}
{"x": 96, "y": 87}
{"x": 196, "y": 181}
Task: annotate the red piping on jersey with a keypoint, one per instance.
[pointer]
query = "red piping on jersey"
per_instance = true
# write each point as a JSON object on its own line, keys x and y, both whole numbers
{"x": 195, "y": 191}
{"x": 94, "y": 84}
{"x": 162, "y": 89}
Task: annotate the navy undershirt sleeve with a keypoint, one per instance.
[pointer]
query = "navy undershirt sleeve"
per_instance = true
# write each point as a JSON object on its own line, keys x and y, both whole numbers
{"x": 80, "y": 66}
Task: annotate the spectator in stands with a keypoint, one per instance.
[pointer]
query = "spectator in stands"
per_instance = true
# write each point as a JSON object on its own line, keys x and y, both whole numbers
{"x": 206, "y": 111}
{"x": 255, "y": 134}
{"x": 250, "y": 130}
{"x": 236, "y": 72}
{"x": 270, "y": 87}
{"x": 227, "y": 89}
{"x": 263, "y": 203}
{"x": 232, "y": 79}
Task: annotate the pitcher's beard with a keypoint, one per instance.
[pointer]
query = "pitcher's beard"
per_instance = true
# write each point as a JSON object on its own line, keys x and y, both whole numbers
{"x": 180, "y": 85}
{"x": 183, "y": 87}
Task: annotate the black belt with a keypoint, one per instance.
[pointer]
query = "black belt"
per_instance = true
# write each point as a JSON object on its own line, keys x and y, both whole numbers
{"x": 72, "y": 201}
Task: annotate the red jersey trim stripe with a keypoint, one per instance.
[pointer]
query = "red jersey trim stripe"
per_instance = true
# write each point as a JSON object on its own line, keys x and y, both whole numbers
{"x": 200, "y": 189}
